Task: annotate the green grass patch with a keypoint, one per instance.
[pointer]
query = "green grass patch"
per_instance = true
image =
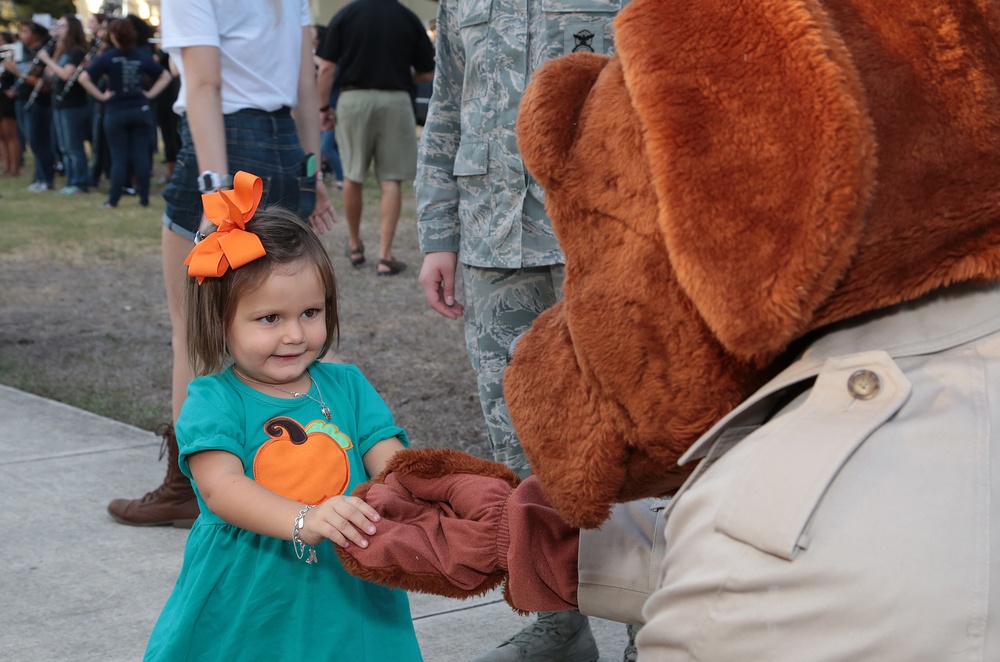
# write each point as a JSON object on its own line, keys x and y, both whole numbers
{"x": 52, "y": 226}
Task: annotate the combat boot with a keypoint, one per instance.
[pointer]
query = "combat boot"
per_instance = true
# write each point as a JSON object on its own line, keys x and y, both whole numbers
{"x": 173, "y": 502}
{"x": 560, "y": 636}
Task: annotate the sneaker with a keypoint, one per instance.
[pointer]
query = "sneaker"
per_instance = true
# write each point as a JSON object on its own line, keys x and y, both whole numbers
{"x": 106, "y": 205}
{"x": 70, "y": 190}
{"x": 631, "y": 653}
{"x": 38, "y": 187}
{"x": 560, "y": 635}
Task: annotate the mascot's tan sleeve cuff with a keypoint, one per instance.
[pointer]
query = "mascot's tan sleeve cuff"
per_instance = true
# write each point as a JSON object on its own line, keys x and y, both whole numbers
{"x": 611, "y": 557}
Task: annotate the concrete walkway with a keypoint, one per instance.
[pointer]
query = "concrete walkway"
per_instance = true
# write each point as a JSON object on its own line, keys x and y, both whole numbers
{"x": 77, "y": 586}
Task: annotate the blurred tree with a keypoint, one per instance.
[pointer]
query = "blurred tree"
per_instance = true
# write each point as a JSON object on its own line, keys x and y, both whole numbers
{"x": 19, "y": 10}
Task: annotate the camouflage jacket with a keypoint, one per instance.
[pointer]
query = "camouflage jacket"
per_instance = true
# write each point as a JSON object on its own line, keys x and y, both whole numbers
{"x": 473, "y": 193}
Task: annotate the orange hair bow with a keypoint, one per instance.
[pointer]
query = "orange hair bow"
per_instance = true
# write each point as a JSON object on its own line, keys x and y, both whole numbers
{"x": 231, "y": 246}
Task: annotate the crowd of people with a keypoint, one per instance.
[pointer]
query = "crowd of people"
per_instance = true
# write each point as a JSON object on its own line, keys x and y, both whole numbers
{"x": 64, "y": 87}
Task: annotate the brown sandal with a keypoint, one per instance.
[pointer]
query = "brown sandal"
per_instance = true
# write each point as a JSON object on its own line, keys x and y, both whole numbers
{"x": 356, "y": 255}
{"x": 393, "y": 267}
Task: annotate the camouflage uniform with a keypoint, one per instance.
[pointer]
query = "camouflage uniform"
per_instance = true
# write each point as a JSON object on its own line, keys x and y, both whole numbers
{"x": 474, "y": 196}
{"x": 500, "y": 305}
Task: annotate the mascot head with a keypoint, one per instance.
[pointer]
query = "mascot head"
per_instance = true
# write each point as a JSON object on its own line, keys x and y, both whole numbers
{"x": 736, "y": 177}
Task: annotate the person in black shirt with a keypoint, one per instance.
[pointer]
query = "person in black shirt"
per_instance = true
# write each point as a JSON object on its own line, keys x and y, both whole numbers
{"x": 128, "y": 116}
{"x": 10, "y": 146}
{"x": 32, "y": 103}
{"x": 70, "y": 113}
{"x": 373, "y": 46}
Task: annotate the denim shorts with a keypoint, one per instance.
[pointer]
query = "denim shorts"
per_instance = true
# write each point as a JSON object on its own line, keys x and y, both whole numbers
{"x": 259, "y": 142}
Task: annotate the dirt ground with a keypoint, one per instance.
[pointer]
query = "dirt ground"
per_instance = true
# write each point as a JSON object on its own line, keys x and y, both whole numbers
{"x": 98, "y": 330}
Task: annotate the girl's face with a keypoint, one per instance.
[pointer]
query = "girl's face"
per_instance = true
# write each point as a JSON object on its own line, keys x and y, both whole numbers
{"x": 28, "y": 36}
{"x": 279, "y": 328}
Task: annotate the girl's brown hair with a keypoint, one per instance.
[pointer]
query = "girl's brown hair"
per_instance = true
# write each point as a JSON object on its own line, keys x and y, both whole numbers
{"x": 211, "y": 306}
{"x": 124, "y": 34}
{"x": 74, "y": 37}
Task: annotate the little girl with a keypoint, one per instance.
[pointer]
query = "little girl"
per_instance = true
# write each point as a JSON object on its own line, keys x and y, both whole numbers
{"x": 273, "y": 443}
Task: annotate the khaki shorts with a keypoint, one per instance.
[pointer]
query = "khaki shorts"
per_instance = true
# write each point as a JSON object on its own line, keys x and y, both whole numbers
{"x": 379, "y": 125}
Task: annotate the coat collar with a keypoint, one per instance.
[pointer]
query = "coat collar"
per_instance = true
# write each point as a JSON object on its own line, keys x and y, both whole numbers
{"x": 936, "y": 322}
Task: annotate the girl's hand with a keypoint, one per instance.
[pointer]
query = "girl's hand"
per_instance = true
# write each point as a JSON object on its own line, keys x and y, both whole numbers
{"x": 342, "y": 519}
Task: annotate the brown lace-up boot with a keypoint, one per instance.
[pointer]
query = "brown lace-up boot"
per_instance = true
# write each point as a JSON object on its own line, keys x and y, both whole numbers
{"x": 173, "y": 502}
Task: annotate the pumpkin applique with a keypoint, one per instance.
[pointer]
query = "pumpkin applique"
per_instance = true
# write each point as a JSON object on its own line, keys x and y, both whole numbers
{"x": 307, "y": 464}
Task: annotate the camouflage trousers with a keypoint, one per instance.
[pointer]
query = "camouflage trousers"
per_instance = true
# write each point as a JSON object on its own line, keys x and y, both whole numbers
{"x": 500, "y": 305}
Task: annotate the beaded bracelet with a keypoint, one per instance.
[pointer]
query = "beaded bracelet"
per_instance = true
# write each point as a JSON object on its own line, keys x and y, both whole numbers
{"x": 300, "y": 547}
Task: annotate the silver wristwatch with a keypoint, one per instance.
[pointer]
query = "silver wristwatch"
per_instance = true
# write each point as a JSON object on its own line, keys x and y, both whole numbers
{"x": 209, "y": 181}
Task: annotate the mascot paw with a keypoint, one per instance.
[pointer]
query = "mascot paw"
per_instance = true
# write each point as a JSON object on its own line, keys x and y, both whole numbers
{"x": 441, "y": 512}
{"x": 458, "y": 526}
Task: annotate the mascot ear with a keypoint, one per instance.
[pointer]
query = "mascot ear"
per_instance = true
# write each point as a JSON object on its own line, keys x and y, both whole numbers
{"x": 548, "y": 122}
{"x": 762, "y": 154}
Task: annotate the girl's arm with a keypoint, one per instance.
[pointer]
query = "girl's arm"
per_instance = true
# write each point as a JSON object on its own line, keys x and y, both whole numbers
{"x": 203, "y": 89}
{"x": 159, "y": 85}
{"x": 243, "y": 502}
{"x": 94, "y": 91}
{"x": 64, "y": 72}
{"x": 307, "y": 126}
{"x": 344, "y": 519}
{"x": 379, "y": 455}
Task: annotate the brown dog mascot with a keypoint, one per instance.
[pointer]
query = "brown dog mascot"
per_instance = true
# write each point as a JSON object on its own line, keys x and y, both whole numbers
{"x": 781, "y": 221}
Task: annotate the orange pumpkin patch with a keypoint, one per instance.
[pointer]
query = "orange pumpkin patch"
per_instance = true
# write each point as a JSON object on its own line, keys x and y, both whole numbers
{"x": 305, "y": 466}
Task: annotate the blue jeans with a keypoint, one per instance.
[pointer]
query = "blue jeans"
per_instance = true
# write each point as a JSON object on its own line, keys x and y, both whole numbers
{"x": 72, "y": 129}
{"x": 101, "y": 163}
{"x": 127, "y": 131}
{"x": 36, "y": 122}
{"x": 262, "y": 143}
{"x": 329, "y": 146}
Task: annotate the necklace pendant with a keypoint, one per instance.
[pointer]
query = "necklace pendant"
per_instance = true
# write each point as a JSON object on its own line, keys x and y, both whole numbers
{"x": 326, "y": 412}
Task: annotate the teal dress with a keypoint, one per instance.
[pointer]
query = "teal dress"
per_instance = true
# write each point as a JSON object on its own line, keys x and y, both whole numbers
{"x": 244, "y": 596}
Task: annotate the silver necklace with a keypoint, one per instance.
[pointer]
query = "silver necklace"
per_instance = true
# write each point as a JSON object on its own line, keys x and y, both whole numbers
{"x": 295, "y": 394}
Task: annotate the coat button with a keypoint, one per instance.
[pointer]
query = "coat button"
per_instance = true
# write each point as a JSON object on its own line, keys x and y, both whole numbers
{"x": 864, "y": 385}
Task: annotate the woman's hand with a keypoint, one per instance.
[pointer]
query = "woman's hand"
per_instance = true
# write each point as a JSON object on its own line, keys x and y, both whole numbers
{"x": 86, "y": 83}
{"x": 324, "y": 215}
{"x": 342, "y": 519}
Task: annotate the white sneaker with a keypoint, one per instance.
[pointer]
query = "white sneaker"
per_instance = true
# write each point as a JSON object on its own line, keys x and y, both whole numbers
{"x": 38, "y": 187}
{"x": 561, "y": 635}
